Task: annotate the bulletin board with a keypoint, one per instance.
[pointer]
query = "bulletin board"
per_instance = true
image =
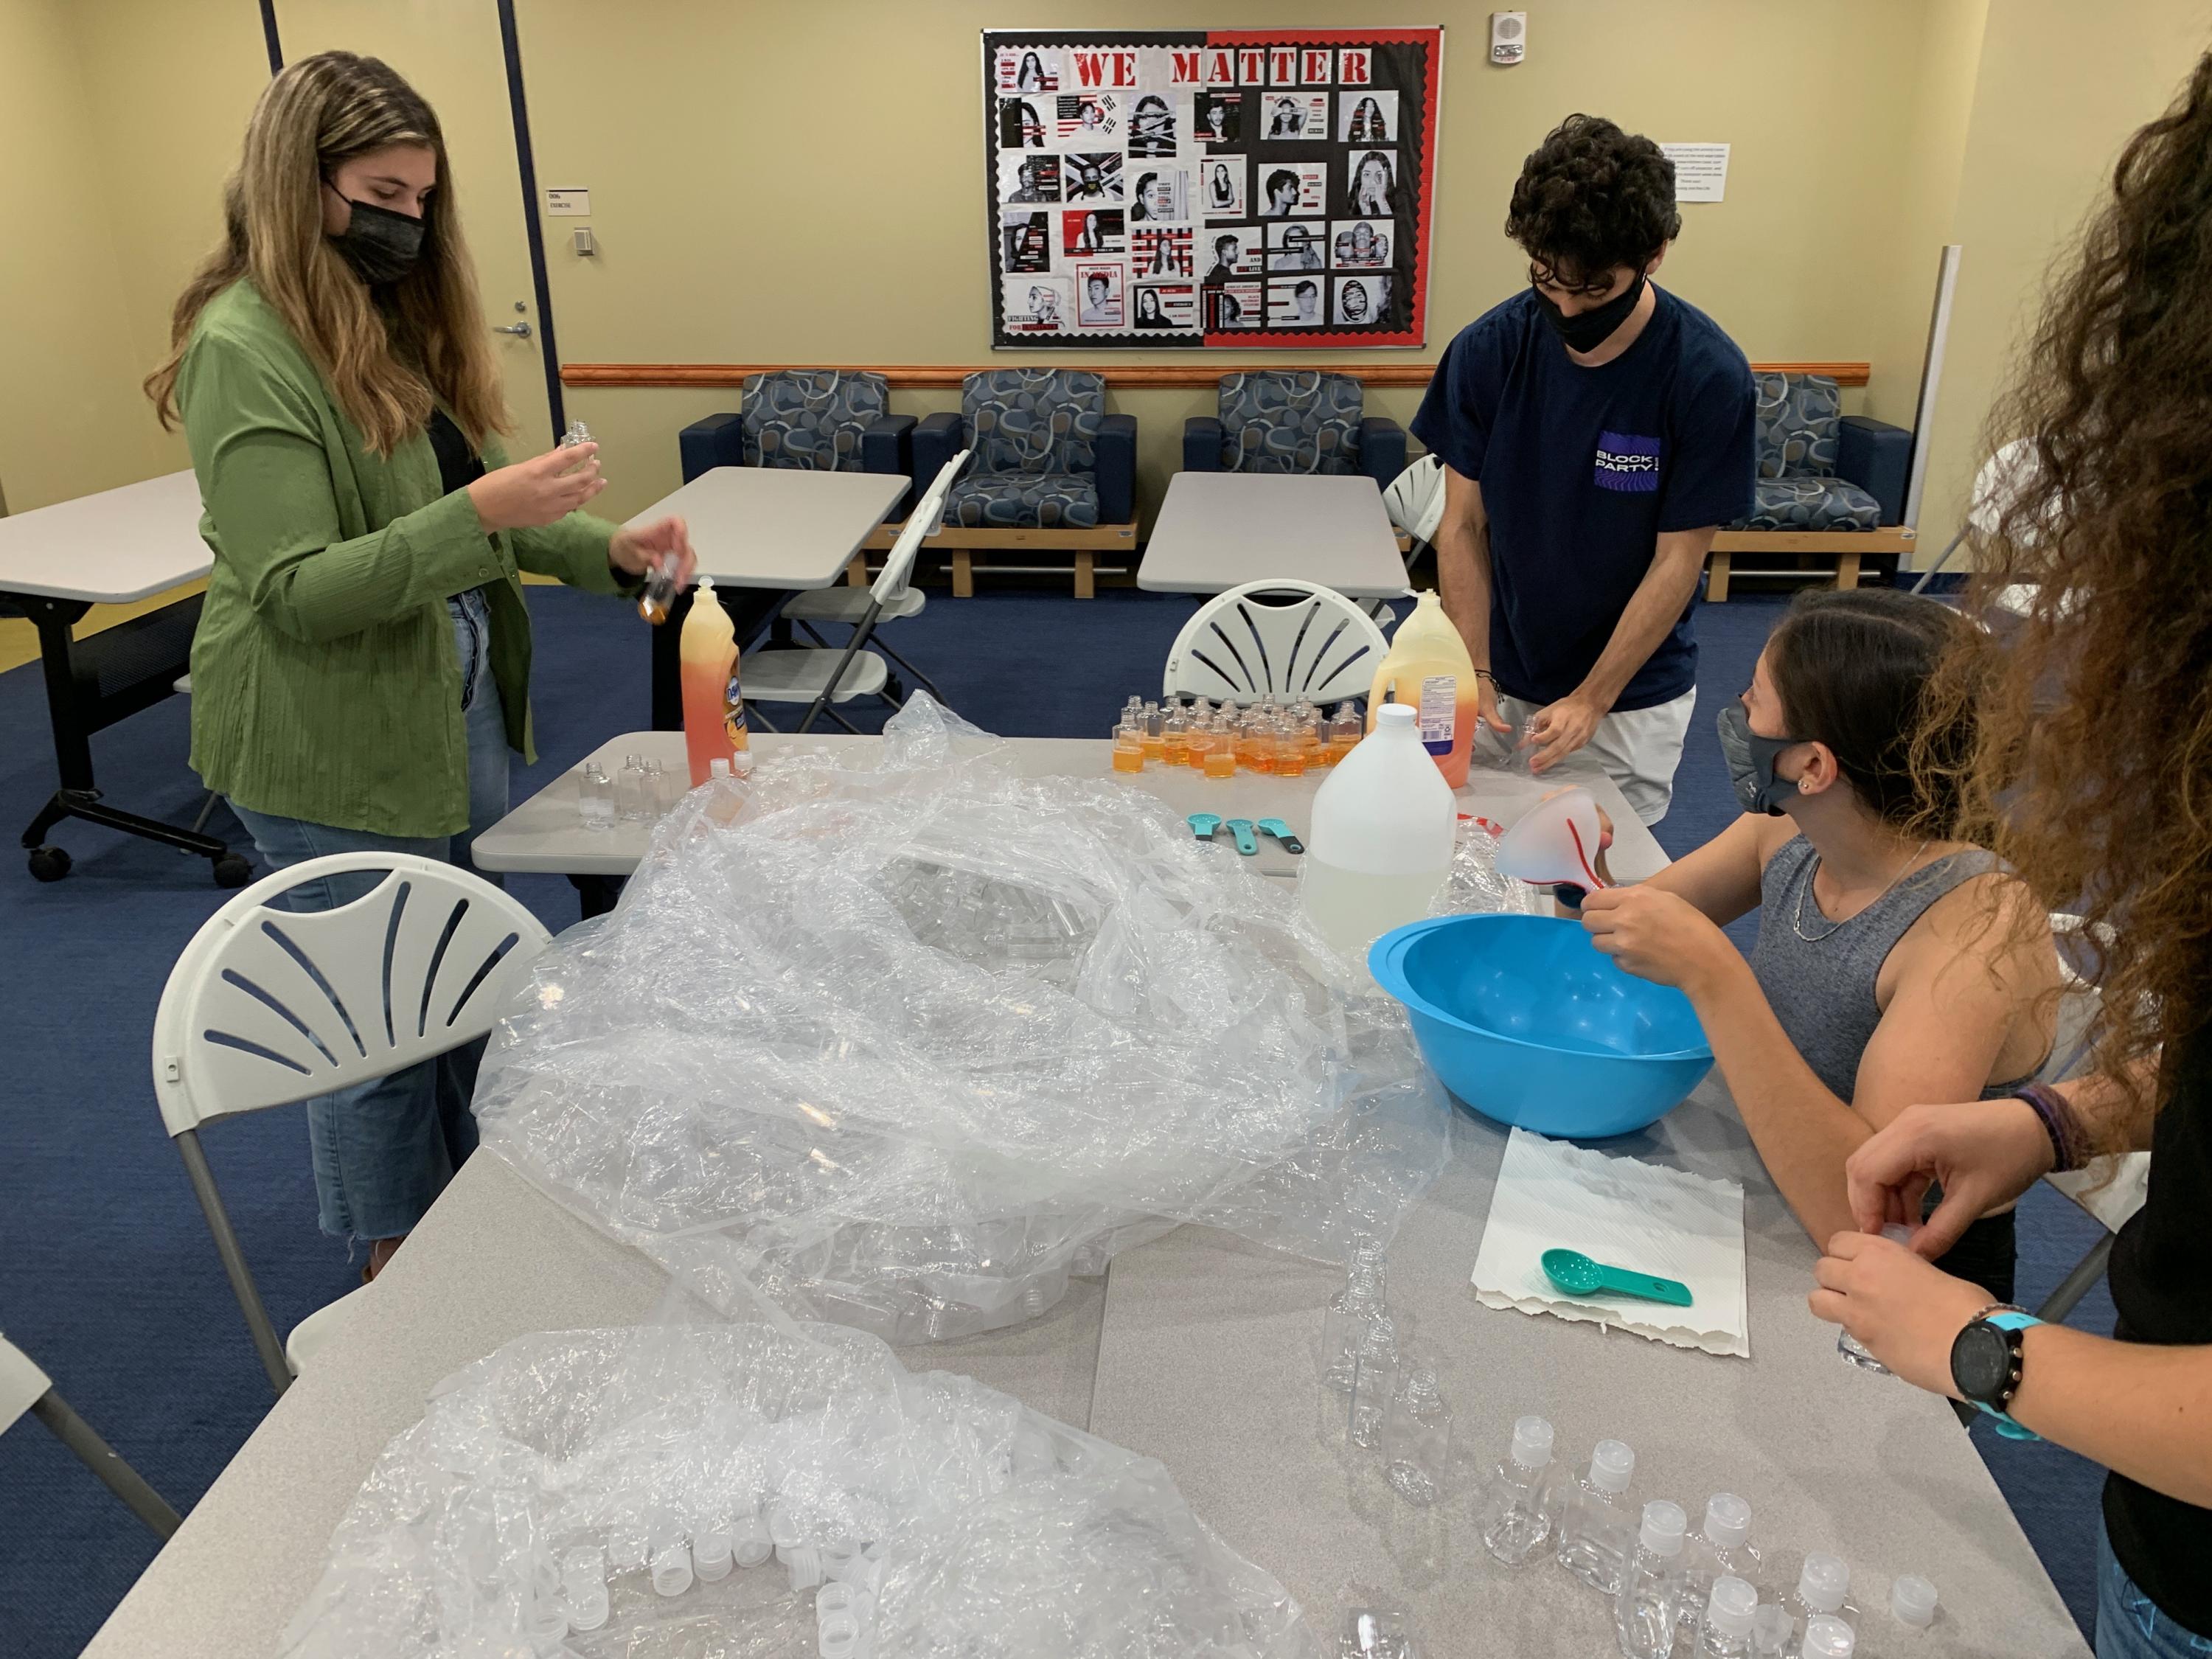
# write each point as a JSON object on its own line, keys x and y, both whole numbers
{"x": 1226, "y": 188}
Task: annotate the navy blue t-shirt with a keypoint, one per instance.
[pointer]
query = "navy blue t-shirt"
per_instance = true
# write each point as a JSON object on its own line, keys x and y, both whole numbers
{"x": 1582, "y": 470}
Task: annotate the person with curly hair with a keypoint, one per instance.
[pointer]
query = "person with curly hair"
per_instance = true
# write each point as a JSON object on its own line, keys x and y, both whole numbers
{"x": 2089, "y": 776}
{"x": 1595, "y": 433}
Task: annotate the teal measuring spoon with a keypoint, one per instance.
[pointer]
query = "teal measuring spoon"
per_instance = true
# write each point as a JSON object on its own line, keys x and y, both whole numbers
{"x": 1241, "y": 829}
{"x": 1577, "y": 1275}
{"x": 1203, "y": 824}
{"x": 1282, "y": 832}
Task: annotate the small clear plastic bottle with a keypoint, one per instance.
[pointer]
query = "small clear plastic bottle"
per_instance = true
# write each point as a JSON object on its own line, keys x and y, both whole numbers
{"x": 1824, "y": 1585}
{"x": 1723, "y": 1549}
{"x": 1912, "y": 1601}
{"x": 1349, "y": 1312}
{"x": 1153, "y": 733}
{"x": 1174, "y": 735}
{"x": 1417, "y": 1433}
{"x": 1827, "y": 1636}
{"x": 1198, "y": 740}
{"x": 1221, "y": 755}
{"x": 1647, "y": 1609}
{"x": 1293, "y": 745}
{"x": 1597, "y": 1525}
{"x": 1344, "y": 732}
{"x": 584, "y": 1587}
{"x": 1514, "y": 1513}
{"x": 595, "y": 797}
{"x": 1725, "y": 1622}
{"x": 1129, "y": 747}
{"x": 631, "y": 801}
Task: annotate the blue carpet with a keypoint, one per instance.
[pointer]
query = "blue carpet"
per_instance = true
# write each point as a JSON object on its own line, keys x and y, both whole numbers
{"x": 111, "y": 1282}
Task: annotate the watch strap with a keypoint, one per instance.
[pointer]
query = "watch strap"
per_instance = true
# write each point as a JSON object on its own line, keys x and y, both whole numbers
{"x": 2005, "y": 1317}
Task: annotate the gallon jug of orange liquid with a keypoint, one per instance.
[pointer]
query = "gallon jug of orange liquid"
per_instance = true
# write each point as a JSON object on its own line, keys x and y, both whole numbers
{"x": 713, "y": 707}
{"x": 1428, "y": 670}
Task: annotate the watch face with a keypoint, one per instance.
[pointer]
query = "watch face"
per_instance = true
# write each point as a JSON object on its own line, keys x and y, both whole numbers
{"x": 1981, "y": 1362}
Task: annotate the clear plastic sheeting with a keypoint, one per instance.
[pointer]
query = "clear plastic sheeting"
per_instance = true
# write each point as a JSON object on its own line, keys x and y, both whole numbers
{"x": 905, "y": 1047}
{"x": 1475, "y": 886}
{"x": 542, "y": 1503}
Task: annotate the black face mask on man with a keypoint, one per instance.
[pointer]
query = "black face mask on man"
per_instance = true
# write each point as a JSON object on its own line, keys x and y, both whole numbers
{"x": 381, "y": 246}
{"x": 1586, "y": 331}
{"x": 1751, "y": 762}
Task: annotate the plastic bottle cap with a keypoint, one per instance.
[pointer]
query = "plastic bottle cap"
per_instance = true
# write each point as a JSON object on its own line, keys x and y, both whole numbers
{"x": 1912, "y": 1599}
{"x": 1395, "y": 713}
{"x": 1664, "y": 1525}
{"x": 1827, "y": 1638}
{"x": 1822, "y": 1582}
{"x": 718, "y": 767}
{"x": 1611, "y": 1463}
{"x": 1728, "y": 1521}
{"x": 1732, "y": 1606}
{"x": 1532, "y": 1443}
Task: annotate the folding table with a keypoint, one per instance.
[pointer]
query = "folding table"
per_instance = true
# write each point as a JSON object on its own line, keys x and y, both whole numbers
{"x": 1217, "y": 529}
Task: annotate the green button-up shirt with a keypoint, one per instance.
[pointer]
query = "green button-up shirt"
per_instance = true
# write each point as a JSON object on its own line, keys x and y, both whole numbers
{"x": 324, "y": 682}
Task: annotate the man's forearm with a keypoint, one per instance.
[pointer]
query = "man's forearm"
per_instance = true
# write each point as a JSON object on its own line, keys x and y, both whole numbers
{"x": 1653, "y": 610}
{"x": 1463, "y": 577}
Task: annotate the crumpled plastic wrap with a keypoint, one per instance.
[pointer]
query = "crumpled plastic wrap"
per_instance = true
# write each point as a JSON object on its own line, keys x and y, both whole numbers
{"x": 989, "y": 1529}
{"x": 905, "y": 1047}
{"x": 1475, "y": 887}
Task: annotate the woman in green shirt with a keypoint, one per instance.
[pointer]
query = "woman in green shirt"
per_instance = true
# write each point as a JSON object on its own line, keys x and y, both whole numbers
{"x": 361, "y": 670}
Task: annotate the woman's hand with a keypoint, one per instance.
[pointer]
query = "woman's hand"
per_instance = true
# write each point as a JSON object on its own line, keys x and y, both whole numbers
{"x": 664, "y": 542}
{"x": 539, "y": 490}
{"x": 1905, "y": 1310}
{"x": 1985, "y": 1152}
{"x": 1655, "y": 935}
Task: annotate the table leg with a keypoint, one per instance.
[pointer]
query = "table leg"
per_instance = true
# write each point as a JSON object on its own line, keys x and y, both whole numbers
{"x": 596, "y": 895}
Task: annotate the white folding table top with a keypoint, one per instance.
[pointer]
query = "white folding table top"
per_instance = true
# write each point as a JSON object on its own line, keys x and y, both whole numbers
{"x": 545, "y": 834}
{"x": 775, "y": 526}
{"x": 1217, "y": 529}
{"x": 107, "y": 548}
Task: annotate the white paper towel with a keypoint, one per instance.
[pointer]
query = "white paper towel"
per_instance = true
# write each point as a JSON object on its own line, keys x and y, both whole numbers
{"x": 1553, "y": 1194}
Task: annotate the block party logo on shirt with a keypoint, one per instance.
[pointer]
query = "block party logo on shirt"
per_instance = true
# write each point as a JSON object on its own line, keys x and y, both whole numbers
{"x": 1627, "y": 462}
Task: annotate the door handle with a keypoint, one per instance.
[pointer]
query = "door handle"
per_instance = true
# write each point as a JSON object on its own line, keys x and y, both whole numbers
{"x": 521, "y": 330}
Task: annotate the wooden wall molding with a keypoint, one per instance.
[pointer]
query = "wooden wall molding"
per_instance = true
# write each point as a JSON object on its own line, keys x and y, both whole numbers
{"x": 1132, "y": 377}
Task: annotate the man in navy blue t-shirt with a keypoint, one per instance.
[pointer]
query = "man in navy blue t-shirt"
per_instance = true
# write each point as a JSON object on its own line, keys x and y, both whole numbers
{"x": 1594, "y": 432}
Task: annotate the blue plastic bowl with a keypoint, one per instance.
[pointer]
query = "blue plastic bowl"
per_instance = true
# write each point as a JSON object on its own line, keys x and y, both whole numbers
{"x": 1527, "y": 1022}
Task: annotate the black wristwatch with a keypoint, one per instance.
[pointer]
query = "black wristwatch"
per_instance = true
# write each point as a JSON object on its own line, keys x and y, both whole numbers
{"x": 1985, "y": 1361}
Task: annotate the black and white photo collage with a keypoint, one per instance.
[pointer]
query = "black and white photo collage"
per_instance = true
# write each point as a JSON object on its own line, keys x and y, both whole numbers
{"x": 1188, "y": 192}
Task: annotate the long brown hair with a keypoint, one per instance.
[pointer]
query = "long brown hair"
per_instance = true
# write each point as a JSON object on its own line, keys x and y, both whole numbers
{"x": 2092, "y": 770}
{"x": 385, "y": 363}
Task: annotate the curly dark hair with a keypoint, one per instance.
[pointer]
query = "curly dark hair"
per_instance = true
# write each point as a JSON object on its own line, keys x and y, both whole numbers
{"x": 1591, "y": 197}
{"x": 2092, "y": 773}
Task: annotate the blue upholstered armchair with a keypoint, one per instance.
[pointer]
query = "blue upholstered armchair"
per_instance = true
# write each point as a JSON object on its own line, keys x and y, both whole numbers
{"x": 1047, "y": 455}
{"x": 824, "y": 420}
{"x": 1305, "y": 422}
{"x": 1819, "y": 469}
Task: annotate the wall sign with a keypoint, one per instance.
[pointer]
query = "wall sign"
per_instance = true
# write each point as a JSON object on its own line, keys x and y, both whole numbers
{"x": 1227, "y": 188}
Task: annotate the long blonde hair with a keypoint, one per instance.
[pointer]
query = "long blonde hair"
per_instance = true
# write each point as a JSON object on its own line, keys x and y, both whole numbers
{"x": 386, "y": 363}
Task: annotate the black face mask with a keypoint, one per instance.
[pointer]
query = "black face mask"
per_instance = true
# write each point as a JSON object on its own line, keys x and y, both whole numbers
{"x": 1751, "y": 762}
{"x": 1586, "y": 331}
{"x": 381, "y": 246}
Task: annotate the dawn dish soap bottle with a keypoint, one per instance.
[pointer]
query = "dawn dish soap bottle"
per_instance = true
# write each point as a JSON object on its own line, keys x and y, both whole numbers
{"x": 1428, "y": 670}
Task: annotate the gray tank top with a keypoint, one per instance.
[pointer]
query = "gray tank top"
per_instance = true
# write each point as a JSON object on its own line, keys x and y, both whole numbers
{"x": 1823, "y": 990}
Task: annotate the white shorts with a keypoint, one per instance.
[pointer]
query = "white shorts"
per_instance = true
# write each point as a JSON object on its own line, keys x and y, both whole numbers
{"x": 1639, "y": 748}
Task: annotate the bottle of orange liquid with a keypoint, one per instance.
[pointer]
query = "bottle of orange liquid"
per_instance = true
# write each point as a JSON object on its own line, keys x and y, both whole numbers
{"x": 1221, "y": 753}
{"x": 1175, "y": 737}
{"x": 707, "y": 655}
{"x": 1428, "y": 670}
{"x": 1129, "y": 746}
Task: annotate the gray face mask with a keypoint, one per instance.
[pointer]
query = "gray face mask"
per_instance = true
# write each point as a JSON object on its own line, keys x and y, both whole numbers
{"x": 1751, "y": 762}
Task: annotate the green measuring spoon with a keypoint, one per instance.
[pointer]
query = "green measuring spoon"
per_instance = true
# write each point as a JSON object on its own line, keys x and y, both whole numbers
{"x": 1577, "y": 1275}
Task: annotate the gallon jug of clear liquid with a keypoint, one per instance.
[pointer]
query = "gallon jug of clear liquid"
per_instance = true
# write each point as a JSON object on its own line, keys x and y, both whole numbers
{"x": 1383, "y": 824}
{"x": 1428, "y": 671}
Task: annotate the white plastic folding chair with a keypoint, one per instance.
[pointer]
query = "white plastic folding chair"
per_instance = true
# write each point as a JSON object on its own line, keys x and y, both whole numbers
{"x": 267, "y": 1007}
{"x": 1281, "y": 640}
{"x": 821, "y": 676}
{"x": 25, "y": 1388}
{"x": 2008, "y": 474}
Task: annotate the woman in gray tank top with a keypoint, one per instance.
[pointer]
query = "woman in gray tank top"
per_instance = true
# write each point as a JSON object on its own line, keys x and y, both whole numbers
{"x": 1877, "y": 983}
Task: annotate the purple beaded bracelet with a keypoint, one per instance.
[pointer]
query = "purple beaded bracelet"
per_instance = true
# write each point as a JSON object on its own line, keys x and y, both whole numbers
{"x": 2067, "y": 1150}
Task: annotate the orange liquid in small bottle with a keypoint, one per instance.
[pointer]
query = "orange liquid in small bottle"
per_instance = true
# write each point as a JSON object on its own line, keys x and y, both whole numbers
{"x": 1221, "y": 761}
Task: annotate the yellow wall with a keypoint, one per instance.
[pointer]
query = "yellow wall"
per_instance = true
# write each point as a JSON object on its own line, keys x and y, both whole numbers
{"x": 712, "y": 131}
{"x": 2054, "y": 101}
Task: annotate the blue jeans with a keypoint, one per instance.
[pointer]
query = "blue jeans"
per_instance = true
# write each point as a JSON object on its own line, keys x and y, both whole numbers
{"x": 384, "y": 1150}
{"x": 2129, "y": 1625}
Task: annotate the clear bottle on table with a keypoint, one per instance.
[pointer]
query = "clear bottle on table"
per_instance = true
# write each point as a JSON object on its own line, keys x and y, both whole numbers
{"x": 1912, "y": 1601}
{"x": 1221, "y": 754}
{"x": 629, "y": 789}
{"x": 1291, "y": 741}
{"x": 1824, "y": 1587}
{"x": 595, "y": 797}
{"x": 1854, "y": 1351}
{"x": 1345, "y": 732}
{"x": 1417, "y": 1431}
{"x": 1827, "y": 1636}
{"x": 1513, "y": 1514}
{"x": 1198, "y": 741}
{"x": 1725, "y": 1623}
{"x": 1647, "y": 1609}
{"x": 1374, "y": 1382}
{"x": 1175, "y": 735}
{"x": 1597, "y": 1525}
{"x": 1153, "y": 733}
{"x": 1129, "y": 747}
{"x": 1348, "y": 1313}
{"x": 653, "y": 788}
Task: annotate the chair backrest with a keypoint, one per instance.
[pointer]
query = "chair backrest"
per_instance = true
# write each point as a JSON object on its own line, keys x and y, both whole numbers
{"x": 927, "y": 519}
{"x": 268, "y": 1006}
{"x": 1415, "y": 499}
{"x": 1800, "y": 420}
{"x": 811, "y": 418}
{"x": 1034, "y": 420}
{"x": 1281, "y": 639}
{"x": 2009, "y": 473}
{"x": 22, "y": 1383}
{"x": 1284, "y": 422}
